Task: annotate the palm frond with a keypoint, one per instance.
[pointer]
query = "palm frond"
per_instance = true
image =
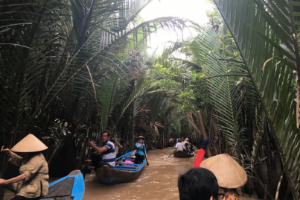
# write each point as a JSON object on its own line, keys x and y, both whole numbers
{"x": 263, "y": 31}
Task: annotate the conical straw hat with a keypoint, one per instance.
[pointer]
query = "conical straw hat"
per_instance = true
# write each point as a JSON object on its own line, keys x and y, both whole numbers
{"x": 30, "y": 143}
{"x": 184, "y": 142}
{"x": 227, "y": 171}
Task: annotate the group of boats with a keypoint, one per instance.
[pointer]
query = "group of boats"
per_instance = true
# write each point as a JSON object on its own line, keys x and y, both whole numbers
{"x": 72, "y": 186}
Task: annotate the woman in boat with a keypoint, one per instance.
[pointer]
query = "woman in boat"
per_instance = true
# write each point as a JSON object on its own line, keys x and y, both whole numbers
{"x": 32, "y": 183}
{"x": 229, "y": 173}
{"x": 141, "y": 152}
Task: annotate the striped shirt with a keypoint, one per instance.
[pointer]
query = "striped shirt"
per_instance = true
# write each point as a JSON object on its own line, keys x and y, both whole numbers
{"x": 109, "y": 156}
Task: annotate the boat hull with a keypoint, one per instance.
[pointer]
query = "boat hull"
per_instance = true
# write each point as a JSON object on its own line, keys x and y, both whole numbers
{"x": 117, "y": 175}
{"x": 108, "y": 175}
{"x": 67, "y": 188}
{"x": 181, "y": 154}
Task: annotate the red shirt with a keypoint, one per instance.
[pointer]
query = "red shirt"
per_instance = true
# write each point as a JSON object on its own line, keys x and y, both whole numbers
{"x": 199, "y": 158}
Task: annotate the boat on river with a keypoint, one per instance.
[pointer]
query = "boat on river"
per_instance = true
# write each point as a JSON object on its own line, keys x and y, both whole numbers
{"x": 182, "y": 154}
{"x": 121, "y": 172}
{"x": 70, "y": 187}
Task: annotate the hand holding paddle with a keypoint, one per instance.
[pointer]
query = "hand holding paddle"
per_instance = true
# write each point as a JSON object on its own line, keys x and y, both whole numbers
{"x": 144, "y": 149}
{"x": 146, "y": 160}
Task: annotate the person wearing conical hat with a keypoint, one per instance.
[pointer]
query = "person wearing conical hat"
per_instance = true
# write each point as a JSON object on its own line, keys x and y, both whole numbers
{"x": 140, "y": 153}
{"x": 187, "y": 145}
{"x": 32, "y": 183}
{"x": 229, "y": 173}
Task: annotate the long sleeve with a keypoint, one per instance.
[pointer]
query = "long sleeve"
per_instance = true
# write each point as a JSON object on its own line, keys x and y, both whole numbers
{"x": 140, "y": 149}
{"x": 138, "y": 146}
{"x": 16, "y": 160}
{"x": 199, "y": 158}
{"x": 32, "y": 167}
{"x": 36, "y": 182}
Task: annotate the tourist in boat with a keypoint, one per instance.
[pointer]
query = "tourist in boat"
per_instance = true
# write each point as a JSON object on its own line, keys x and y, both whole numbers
{"x": 179, "y": 146}
{"x": 105, "y": 154}
{"x": 229, "y": 173}
{"x": 198, "y": 183}
{"x": 187, "y": 145}
{"x": 31, "y": 178}
{"x": 141, "y": 152}
{"x": 192, "y": 149}
{"x": 171, "y": 142}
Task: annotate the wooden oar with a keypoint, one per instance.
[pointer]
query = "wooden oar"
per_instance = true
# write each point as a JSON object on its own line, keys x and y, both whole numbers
{"x": 86, "y": 156}
{"x": 145, "y": 155}
{"x": 203, "y": 132}
{"x": 170, "y": 154}
{"x": 147, "y": 160}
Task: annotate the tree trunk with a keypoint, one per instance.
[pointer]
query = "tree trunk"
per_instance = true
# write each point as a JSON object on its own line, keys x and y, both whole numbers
{"x": 203, "y": 131}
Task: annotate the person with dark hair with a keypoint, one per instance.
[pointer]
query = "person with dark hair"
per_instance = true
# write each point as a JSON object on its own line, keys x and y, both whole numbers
{"x": 198, "y": 184}
{"x": 179, "y": 146}
{"x": 140, "y": 153}
{"x": 29, "y": 176}
{"x": 105, "y": 154}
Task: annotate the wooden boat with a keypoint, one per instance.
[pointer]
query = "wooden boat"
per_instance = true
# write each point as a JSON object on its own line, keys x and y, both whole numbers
{"x": 121, "y": 172}
{"x": 182, "y": 154}
{"x": 70, "y": 187}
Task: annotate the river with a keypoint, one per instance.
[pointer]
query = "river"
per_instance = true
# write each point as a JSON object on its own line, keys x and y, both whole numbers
{"x": 157, "y": 182}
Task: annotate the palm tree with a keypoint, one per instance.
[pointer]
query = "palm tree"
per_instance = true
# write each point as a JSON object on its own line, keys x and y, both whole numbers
{"x": 56, "y": 60}
{"x": 265, "y": 33}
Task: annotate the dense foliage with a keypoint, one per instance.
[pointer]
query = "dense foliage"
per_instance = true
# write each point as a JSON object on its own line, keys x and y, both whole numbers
{"x": 71, "y": 69}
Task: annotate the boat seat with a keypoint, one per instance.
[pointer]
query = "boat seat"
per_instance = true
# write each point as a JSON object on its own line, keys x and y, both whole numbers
{"x": 122, "y": 163}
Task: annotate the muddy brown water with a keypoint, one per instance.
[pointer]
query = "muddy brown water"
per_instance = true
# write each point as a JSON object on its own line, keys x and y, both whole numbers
{"x": 158, "y": 181}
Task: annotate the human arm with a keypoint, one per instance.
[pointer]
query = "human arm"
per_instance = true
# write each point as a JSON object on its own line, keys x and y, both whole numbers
{"x": 200, "y": 153}
{"x": 7, "y": 151}
{"x": 139, "y": 146}
{"x": 15, "y": 159}
{"x": 12, "y": 180}
{"x": 199, "y": 158}
{"x": 98, "y": 149}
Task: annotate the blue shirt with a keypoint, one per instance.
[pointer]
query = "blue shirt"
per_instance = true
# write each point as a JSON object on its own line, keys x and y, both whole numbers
{"x": 140, "y": 150}
{"x": 109, "y": 156}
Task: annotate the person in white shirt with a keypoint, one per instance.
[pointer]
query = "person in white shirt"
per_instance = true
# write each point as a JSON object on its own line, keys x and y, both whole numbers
{"x": 179, "y": 146}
